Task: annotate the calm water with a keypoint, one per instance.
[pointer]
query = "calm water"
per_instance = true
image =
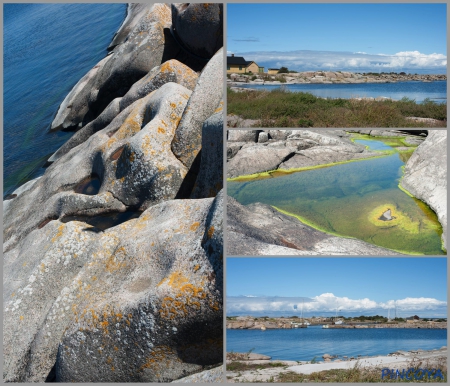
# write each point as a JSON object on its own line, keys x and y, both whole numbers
{"x": 349, "y": 199}
{"x": 436, "y": 91}
{"x": 306, "y": 343}
{"x": 47, "y": 49}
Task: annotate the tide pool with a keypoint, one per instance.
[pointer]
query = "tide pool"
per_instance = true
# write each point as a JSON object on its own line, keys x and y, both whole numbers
{"x": 349, "y": 200}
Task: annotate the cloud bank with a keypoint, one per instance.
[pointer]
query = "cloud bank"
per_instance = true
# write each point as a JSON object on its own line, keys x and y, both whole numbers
{"x": 327, "y": 303}
{"x": 304, "y": 60}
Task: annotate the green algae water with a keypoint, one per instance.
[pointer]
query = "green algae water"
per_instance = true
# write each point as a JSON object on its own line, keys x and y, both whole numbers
{"x": 350, "y": 199}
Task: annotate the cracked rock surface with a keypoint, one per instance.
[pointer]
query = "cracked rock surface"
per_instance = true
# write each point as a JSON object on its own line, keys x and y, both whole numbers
{"x": 288, "y": 149}
{"x": 113, "y": 258}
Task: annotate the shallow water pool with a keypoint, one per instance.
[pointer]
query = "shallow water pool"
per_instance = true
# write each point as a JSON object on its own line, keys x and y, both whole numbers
{"x": 350, "y": 199}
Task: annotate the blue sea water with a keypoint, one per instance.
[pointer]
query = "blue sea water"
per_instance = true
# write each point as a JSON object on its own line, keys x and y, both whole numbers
{"x": 47, "y": 49}
{"x": 306, "y": 343}
{"x": 419, "y": 91}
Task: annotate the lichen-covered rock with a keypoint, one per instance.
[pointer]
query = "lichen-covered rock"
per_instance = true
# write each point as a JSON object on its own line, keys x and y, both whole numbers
{"x": 139, "y": 302}
{"x": 204, "y": 101}
{"x": 199, "y": 27}
{"x": 170, "y": 71}
{"x": 114, "y": 75}
{"x": 210, "y": 178}
{"x": 134, "y": 164}
{"x": 113, "y": 259}
{"x": 426, "y": 175}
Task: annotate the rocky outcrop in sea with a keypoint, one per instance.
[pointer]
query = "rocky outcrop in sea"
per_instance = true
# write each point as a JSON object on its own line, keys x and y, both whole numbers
{"x": 113, "y": 258}
{"x": 335, "y": 77}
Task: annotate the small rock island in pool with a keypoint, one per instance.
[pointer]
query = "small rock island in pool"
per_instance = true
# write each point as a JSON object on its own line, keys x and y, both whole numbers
{"x": 113, "y": 257}
{"x": 322, "y": 192}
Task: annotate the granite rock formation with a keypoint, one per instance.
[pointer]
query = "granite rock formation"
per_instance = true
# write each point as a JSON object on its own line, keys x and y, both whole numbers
{"x": 292, "y": 149}
{"x": 113, "y": 258}
{"x": 426, "y": 175}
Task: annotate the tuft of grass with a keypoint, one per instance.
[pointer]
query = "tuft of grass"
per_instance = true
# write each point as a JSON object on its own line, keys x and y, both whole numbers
{"x": 282, "y": 108}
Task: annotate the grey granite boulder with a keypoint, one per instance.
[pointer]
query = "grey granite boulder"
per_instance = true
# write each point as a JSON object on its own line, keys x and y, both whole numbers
{"x": 139, "y": 302}
{"x": 425, "y": 175}
{"x": 134, "y": 12}
{"x": 258, "y": 229}
{"x": 243, "y": 135}
{"x": 132, "y": 159}
{"x": 170, "y": 71}
{"x": 215, "y": 375}
{"x": 203, "y": 102}
{"x": 257, "y": 159}
{"x": 289, "y": 149}
{"x": 210, "y": 178}
{"x": 114, "y": 75}
{"x": 199, "y": 27}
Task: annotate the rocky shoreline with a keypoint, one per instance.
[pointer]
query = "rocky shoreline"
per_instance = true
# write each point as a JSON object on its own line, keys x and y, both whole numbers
{"x": 331, "y": 77}
{"x": 259, "y": 229}
{"x": 270, "y": 370}
{"x": 113, "y": 258}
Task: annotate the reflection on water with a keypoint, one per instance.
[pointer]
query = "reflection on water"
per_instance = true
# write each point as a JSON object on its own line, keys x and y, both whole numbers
{"x": 349, "y": 199}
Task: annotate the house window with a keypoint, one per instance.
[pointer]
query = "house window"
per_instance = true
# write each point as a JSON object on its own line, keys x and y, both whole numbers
{"x": 228, "y": 68}
{"x": 240, "y": 68}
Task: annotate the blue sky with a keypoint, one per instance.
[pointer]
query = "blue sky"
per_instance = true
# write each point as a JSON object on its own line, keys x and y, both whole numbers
{"x": 378, "y": 36}
{"x": 354, "y": 285}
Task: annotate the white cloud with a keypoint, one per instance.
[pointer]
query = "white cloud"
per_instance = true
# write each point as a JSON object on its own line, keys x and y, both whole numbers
{"x": 328, "y": 302}
{"x": 350, "y": 61}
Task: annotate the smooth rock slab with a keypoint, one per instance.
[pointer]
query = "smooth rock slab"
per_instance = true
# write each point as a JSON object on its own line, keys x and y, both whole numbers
{"x": 257, "y": 159}
{"x": 141, "y": 302}
{"x": 113, "y": 76}
{"x": 425, "y": 175}
{"x": 258, "y": 229}
{"x": 205, "y": 99}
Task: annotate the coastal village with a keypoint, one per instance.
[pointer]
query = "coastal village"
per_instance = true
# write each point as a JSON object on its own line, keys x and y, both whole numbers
{"x": 265, "y": 323}
{"x": 240, "y": 70}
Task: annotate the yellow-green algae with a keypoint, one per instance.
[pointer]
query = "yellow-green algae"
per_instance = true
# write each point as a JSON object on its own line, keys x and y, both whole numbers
{"x": 280, "y": 172}
{"x": 337, "y": 199}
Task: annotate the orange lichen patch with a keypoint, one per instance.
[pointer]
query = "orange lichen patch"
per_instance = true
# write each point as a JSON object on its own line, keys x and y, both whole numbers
{"x": 173, "y": 105}
{"x": 214, "y": 305}
{"x": 94, "y": 278}
{"x": 59, "y": 233}
{"x": 116, "y": 348}
{"x": 196, "y": 268}
{"x": 109, "y": 360}
{"x": 186, "y": 293}
{"x": 113, "y": 263}
{"x": 166, "y": 67}
{"x": 161, "y": 130}
{"x": 210, "y": 231}
{"x": 161, "y": 357}
{"x": 185, "y": 96}
{"x": 21, "y": 317}
{"x": 194, "y": 226}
